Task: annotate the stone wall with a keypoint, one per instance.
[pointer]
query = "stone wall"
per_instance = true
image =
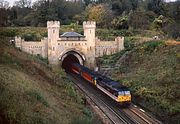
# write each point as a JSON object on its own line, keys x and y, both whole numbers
{"x": 32, "y": 47}
{"x": 109, "y": 47}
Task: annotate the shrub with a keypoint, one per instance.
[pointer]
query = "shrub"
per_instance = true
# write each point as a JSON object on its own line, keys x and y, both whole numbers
{"x": 129, "y": 43}
{"x": 122, "y": 33}
{"x": 31, "y": 37}
{"x": 9, "y": 32}
{"x": 39, "y": 97}
{"x": 152, "y": 45}
{"x": 172, "y": 30}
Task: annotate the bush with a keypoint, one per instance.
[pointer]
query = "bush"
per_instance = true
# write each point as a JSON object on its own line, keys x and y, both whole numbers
{"x": 31, "y": 37}
{"x": 129, "y": 43}
{"x": 152, "y": 45}
{"x": 9, "y": 32}
{"x": 122, "y": 33}
{"x": 172, "y": 30}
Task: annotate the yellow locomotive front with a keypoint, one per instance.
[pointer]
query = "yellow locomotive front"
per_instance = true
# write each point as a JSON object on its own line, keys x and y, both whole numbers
{"x": 124, "y": 97}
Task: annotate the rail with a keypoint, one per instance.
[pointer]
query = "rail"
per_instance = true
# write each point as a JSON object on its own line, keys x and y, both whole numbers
{"x": 112, "y": 115}
{"x": 110, "y": 108}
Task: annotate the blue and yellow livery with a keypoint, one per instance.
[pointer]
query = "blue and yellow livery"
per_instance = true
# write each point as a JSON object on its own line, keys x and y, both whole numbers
{"x": 113, "y": 89}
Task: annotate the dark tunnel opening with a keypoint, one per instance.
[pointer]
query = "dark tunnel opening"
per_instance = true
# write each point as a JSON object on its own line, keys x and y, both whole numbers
{"x": 68, "y": 60}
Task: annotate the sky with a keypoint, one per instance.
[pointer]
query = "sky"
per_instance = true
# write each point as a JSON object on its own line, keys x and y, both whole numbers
{"x": 12, "y": 1}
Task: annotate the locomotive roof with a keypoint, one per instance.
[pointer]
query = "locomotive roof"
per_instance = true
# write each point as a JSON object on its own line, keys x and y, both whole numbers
{"x": 113, "y": 84}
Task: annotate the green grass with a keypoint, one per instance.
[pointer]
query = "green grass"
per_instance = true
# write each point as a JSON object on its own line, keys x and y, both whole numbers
{"x": 33, "y": 92}
{"x": 152, "y": 72}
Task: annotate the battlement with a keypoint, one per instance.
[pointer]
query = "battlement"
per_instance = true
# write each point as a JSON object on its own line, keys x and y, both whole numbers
{"x": 119, "y": 38}
{"x": 89, "y": 24}
{"x": 54, "y": 24}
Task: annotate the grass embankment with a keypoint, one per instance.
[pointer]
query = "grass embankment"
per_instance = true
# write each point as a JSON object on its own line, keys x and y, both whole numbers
{"x": 33, "y": 92}
{"x": 152, "y": 72}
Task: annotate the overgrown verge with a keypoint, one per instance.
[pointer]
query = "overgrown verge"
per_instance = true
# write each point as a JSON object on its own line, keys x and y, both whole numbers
{"x": 152, "y": 72}
{"x": 33, "y": 92}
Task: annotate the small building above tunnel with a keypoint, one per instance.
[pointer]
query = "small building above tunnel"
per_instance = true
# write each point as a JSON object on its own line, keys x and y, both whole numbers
{"x": 72, "y": 36}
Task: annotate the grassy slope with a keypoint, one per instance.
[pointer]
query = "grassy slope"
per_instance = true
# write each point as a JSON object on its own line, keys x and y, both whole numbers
{"x": 152, "y": 73}
{"x": 28, "y": 93}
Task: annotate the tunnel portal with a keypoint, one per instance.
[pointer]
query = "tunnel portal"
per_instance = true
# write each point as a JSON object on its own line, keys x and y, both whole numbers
{"x": 69, "y": 58}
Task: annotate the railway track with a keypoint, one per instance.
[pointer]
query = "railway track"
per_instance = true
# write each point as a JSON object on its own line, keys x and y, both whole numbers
{"x": 114, "y": 117}
{"x": 113, "y": 111}
{"x": 149, "y": 119}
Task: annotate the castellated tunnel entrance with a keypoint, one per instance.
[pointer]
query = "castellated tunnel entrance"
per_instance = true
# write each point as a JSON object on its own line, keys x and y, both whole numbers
{"x": 71, "y": 57}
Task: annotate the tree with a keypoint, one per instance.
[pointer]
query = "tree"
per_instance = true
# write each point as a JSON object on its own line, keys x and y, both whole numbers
{"x": 100, "y": 13}
{"x": 4, "y": 6}
{"x": 161, "y": 22}
{"x": 172, "y": 30}
{"x": 139, "y": 20}
{"x": 156, "y": 6}
{"x": 23, "y": 3}
{"x": 120, "y": 22}
{"x": 174, "y": 10}
{"x": 121, "y": 6}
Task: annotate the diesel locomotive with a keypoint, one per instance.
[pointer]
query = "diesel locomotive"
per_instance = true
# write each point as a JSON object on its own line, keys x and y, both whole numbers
{"x": 113, "y": 89}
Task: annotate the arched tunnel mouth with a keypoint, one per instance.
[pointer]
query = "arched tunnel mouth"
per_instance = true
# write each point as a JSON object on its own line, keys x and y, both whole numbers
{"x": 68, "y": 60}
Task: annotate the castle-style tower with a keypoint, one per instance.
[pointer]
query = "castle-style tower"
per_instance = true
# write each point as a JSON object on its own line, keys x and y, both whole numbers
{"x": 53, "y": 36}
{"x": 89, "y": 33}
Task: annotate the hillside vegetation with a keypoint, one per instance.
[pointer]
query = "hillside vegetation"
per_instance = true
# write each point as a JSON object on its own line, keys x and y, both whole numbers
{"x": 33, "y": 92}
{"x": 151, "y": 71}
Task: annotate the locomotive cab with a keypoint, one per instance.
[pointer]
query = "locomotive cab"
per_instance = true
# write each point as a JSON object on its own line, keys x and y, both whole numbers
{"x": 124, "y": 96}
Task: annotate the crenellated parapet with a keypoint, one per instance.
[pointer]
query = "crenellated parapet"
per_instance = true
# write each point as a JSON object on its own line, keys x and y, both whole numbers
{"x": 119, "y": 38}
{"x": 89, "y": 24}
{"x": 53, "y": 24}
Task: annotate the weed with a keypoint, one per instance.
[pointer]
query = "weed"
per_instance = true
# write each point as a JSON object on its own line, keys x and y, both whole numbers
{"x": 38, "y": 96}
{"x": 152, "y": 45}
{"x": 87, "y": 112}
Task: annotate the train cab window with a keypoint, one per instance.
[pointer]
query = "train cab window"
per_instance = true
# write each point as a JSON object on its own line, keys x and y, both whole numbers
{"x": 120, "y": 93}
{"x": 127, "y": 92}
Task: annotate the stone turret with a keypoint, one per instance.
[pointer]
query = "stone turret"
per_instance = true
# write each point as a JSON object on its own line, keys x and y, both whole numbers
{"x": 18, "y": 42}
{"x": 120, "y": 43}
{"x": 53, "y": 30}
{"x": 53, "y": 36}
{"x": 89, "y": 33}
